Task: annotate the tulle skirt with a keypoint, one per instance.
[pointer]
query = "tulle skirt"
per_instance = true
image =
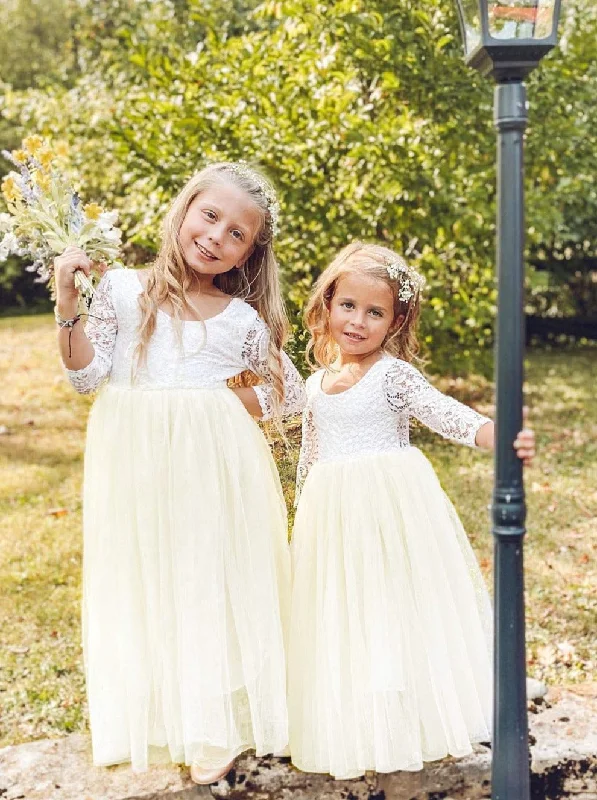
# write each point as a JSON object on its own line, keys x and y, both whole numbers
{"x": 186, "y": 577}
{"x": 390, "y": 637}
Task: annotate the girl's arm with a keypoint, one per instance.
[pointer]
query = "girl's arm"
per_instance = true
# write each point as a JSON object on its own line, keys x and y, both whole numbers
{"x": 407, "y": 390}
{"x": 309, "y": 452}
{"x": 86, "y": 350}
{"x": 258, "y": 400}
{"x": 75, "y": 348}
{"x": 248, "y": 397}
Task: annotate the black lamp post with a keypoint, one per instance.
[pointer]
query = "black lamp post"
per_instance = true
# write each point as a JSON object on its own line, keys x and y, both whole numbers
{"x": 506, "y": 39}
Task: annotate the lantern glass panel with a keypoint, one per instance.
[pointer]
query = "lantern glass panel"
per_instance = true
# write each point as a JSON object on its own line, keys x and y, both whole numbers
{"x": 521, "y": 19}
{"x": 471, "y": 20}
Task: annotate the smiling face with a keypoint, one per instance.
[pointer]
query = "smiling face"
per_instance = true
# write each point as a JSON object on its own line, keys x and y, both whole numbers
{"x": 219, "y": 229}
{"x": 361, "y": 314}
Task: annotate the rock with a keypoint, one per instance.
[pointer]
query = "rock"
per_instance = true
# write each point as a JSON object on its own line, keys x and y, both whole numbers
{"x": 60, "y": 769}
{"x": 536, "y": 690}
{"x": 564, "y": 765}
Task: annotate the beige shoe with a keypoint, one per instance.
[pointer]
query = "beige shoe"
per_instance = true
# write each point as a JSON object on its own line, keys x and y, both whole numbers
{"x": 203, "y": 776}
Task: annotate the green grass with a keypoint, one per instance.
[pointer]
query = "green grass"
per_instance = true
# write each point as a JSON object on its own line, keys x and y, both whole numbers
{"x": 42, "y": 430}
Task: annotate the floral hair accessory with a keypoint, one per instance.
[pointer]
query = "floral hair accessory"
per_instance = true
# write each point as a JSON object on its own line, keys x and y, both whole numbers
{"x": 411, "y": 281}
{"x": 246, "y": 171}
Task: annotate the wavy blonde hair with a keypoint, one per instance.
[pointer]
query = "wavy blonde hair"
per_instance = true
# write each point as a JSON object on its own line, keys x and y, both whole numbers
{"x": 257, "y": 282}
{"x": 359, "y": 258}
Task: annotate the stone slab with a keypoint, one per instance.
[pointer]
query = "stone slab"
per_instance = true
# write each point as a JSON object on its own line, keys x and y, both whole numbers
{"x": 564, "y": 765}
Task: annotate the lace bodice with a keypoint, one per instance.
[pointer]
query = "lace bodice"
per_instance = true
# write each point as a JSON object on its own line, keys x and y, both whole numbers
{"x": 206, "y": 354}
{"x": 373, "y": 415}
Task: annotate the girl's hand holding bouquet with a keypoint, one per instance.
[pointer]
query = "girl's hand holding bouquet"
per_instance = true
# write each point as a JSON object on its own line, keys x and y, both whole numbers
{"x": 74, "y": 262}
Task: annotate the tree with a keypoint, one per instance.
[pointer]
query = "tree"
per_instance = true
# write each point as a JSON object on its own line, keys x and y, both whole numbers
{"x": 362, "y": 113}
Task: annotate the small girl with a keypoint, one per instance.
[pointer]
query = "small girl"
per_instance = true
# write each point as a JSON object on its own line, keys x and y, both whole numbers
{"x": 186, "y": 561}
{"x": 389, "y": 655}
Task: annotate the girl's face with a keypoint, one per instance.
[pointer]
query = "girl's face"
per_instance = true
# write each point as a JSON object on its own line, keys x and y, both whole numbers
{"x": 219, "y": 229}
{"x": 361, "y": 314}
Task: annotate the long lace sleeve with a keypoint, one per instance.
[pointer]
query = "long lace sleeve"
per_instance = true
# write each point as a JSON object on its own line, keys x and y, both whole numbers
{"x": 309, "y": 452}
{"x": 254, "y": 355}
{"x": 101, "y": 329}
{"x": 407, "y": 390}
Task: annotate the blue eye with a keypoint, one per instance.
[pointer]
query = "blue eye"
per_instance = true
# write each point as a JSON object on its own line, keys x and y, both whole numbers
{"x": 347, "y": 304}
{"x": 376, "y": 312}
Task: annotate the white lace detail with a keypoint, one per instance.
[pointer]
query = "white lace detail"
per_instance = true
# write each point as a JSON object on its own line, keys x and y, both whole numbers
{"x": 212, "y": 351}
{"x": 309, "y": 451}
{"x": 254, "y": 355}
{"x": 408, "y": 390}
{"x": 101, "y": 330}
{"x": 373, "y": 415}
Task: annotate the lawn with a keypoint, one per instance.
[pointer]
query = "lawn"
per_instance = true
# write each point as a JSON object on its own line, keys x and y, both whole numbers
{"x": 42, "y": 425}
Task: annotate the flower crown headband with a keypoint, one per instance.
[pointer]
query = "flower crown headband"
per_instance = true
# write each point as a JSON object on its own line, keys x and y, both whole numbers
{"x": 266, "y": 190}
{"x": 411, "y": 281}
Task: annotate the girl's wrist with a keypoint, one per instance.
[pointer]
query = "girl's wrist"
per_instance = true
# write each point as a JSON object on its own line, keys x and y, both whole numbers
{"x": 67, "y": 307}
{"x": 66, "y": 320}
{"x": 484, "y": 436}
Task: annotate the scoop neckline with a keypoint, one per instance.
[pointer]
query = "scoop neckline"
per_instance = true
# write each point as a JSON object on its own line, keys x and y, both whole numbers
{"x": 191, "y": 321}
{"x": 354, "y": 386}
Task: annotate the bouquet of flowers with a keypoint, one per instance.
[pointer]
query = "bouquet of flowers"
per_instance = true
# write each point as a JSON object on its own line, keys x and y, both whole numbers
{"x": 45, "y": 216}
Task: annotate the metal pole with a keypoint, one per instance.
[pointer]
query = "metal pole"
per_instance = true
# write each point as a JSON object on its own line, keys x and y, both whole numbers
{"x": 510, "y": 766}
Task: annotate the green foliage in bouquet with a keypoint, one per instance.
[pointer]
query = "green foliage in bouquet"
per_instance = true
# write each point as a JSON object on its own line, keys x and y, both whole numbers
{"x": 45, "y": 215}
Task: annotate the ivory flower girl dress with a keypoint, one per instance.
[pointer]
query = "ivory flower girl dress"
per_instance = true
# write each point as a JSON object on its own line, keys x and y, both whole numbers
{"x": 186, "y": 562}
{"x": 389, "y": 657}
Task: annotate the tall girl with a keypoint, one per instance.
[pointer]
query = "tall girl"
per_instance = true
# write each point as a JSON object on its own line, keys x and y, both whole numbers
{"x": 186, "y": 568}
{"x": 389, "y": 656}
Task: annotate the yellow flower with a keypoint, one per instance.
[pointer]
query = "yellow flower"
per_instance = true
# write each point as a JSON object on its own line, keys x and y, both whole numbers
{"x": 10, "y": 190}
{"x": 43, "y": 181}
{"x": 33, "y": 143}
{"x": 61, "y": 148}
{"x": 20, "y": 156}
{"x": 92, "y": 210}
{"x": 45, "y": 157}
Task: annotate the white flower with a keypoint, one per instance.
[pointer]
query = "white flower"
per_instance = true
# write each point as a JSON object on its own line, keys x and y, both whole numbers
{"x": 112, "y": 235}
{"x": 411, "y": 281}
{"x": 8, "y": 245}
{"x": 107, "y": 220}
{"x": 5, "y": 222}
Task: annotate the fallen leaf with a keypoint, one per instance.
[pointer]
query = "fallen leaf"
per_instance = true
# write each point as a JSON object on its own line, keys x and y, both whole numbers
{"x": 57, "y": 512}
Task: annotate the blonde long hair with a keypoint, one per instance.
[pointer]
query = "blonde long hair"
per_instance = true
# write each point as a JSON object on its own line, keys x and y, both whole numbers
{"x": 257, "y": 282}
{"x": 360, "y": 258}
